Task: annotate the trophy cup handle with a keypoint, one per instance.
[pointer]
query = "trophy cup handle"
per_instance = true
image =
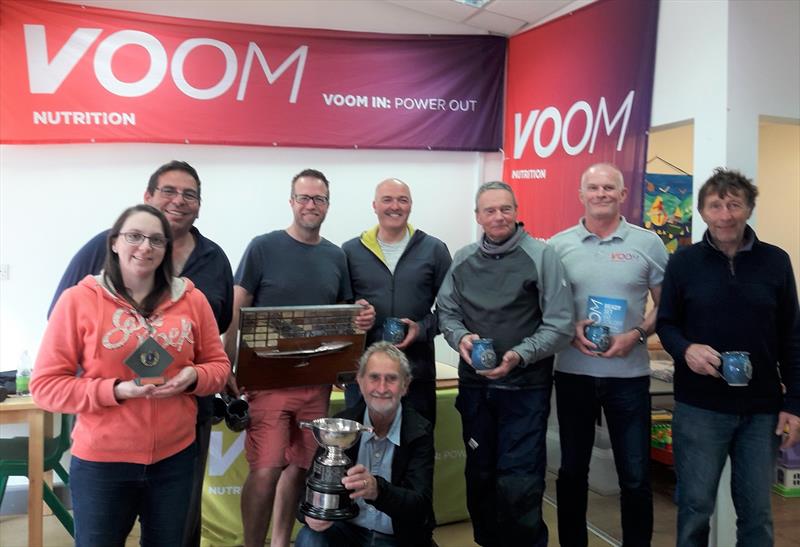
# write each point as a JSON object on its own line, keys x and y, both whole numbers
{"x": 305, "y": 425}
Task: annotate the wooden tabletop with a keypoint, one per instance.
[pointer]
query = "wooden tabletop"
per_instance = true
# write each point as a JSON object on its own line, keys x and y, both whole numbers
{"x": 18, "y": 402}
{"x": 21, "y": 409}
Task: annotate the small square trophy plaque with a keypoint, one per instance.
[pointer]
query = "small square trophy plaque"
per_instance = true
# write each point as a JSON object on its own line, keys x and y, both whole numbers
{"x": 149, "y": 361}
{"x": 298, "y": 346}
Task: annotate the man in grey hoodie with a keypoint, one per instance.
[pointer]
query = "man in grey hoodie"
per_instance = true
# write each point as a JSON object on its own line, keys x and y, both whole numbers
{"x": 511, "y": 288}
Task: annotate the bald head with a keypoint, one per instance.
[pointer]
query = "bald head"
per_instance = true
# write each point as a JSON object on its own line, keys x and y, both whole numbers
{"x": 606, "y": 171}
{"x": 392, "y": 205}
{"x": 602, "y": 193}
{"x": 392, "y": 186}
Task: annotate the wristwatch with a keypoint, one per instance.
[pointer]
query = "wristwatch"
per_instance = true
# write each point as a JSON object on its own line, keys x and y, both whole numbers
{"x": 642, "y": 334}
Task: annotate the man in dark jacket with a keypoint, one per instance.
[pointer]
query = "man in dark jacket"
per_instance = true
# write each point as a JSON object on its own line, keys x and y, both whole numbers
{"x": 399, "y": 269}
{"x": 392, "y": 480}
{"x": 730, "y": 292}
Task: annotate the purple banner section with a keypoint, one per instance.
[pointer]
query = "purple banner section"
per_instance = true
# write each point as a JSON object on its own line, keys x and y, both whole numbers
{"x": 82, "y": 74}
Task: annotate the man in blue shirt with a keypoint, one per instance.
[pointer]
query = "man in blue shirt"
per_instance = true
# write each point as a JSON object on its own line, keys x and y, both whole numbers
{"x": 392, "y": 481}
{"x": 174, "y": 189}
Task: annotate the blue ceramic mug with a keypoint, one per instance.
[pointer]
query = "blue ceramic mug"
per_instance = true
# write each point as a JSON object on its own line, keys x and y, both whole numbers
{"x": 394, "y": 330}
{"x": 735, "y": 367}
{"x": 483, "y": 355}
{"x": 599, "y": 335}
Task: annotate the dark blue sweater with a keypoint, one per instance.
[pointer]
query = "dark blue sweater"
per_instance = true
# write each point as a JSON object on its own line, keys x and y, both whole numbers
{"x": 749, "y": 304}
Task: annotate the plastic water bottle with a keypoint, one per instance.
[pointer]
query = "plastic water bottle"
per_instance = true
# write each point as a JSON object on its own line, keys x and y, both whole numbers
{"x": 23, "y": 373}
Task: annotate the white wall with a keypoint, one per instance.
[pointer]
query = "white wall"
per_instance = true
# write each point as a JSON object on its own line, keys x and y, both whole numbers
{"x": 764, "y": 47}
{"x": 764, "y": 77}
{"x": 691, "y": 79}
{"x": 714, "y": 54}
{"x": 349, "y": 15}
{"x": 722, "y": 64}
{"x": 54, "y": 198}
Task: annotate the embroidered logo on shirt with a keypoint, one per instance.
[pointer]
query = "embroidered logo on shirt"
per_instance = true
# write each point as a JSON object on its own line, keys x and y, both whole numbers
{"x": 127, "y": 323}
{"x": 623, "y": 257}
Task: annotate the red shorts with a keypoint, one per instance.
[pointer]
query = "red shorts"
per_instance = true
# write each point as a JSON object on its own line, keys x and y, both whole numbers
{"x": 274, "y": 439}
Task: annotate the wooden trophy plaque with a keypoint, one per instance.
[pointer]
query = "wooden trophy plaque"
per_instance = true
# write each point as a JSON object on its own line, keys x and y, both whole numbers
{"x": 298, "y": 346}
{"x": 149, "y": 361}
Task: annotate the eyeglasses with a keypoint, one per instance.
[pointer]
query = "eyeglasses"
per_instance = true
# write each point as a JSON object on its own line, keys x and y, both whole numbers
{"x": 135, "y": 238}
{"x": 190, "y": 196}
{"x": 303, "y": 199}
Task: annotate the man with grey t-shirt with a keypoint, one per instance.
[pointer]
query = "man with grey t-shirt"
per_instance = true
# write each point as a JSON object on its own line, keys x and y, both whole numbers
{"x": 612, "y": 266}
{"x": 291, "y": 267}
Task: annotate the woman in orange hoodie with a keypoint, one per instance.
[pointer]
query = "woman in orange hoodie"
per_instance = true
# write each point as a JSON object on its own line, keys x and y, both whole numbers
{"x": 133, "y": 442}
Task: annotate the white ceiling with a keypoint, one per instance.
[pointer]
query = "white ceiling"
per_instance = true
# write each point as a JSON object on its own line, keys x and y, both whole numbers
{"x": 502, "y": 17}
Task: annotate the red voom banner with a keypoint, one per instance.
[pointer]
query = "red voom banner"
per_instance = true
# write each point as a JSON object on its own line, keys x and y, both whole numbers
{"x": 78, "y": 74}
{"x": 579, "y": 93}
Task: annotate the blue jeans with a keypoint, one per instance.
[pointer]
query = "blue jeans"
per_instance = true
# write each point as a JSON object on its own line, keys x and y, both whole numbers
{"x": 343, "y": 534}
{"x": 504, "y": 433}
{"x": 107, "y": 498}
{"x": 191, "y": 533}
{"x": 626, "y": 404}
{"x": 701, "y": 441}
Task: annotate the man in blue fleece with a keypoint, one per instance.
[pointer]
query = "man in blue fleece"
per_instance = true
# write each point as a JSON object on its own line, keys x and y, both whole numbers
{"x": 730, "y": 292}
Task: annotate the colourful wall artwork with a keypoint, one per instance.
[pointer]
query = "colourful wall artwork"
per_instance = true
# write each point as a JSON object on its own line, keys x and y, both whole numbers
{"x": 668, "y": 208}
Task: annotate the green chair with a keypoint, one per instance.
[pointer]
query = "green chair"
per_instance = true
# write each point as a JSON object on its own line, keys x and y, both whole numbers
{"x": 14, "y": 462}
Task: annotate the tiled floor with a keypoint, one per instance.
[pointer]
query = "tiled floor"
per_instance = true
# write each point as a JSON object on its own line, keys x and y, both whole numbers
{"x": 603, "y": 514}
{"x": 460, "y": 533}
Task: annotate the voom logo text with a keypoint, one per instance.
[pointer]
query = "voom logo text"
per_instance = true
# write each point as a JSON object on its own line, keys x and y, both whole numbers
{"x": 579, "y": 113}
{"x": 45, "y": 76}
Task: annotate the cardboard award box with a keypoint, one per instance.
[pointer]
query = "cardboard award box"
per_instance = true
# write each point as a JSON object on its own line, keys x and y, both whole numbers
{"x": 298, "y": 346}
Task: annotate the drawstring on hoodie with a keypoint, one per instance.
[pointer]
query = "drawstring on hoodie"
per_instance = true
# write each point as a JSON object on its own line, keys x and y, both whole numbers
{"x": 100, "y": 319}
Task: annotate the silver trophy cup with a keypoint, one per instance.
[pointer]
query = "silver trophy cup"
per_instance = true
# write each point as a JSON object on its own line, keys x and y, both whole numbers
{"x": 326, "y": 498}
